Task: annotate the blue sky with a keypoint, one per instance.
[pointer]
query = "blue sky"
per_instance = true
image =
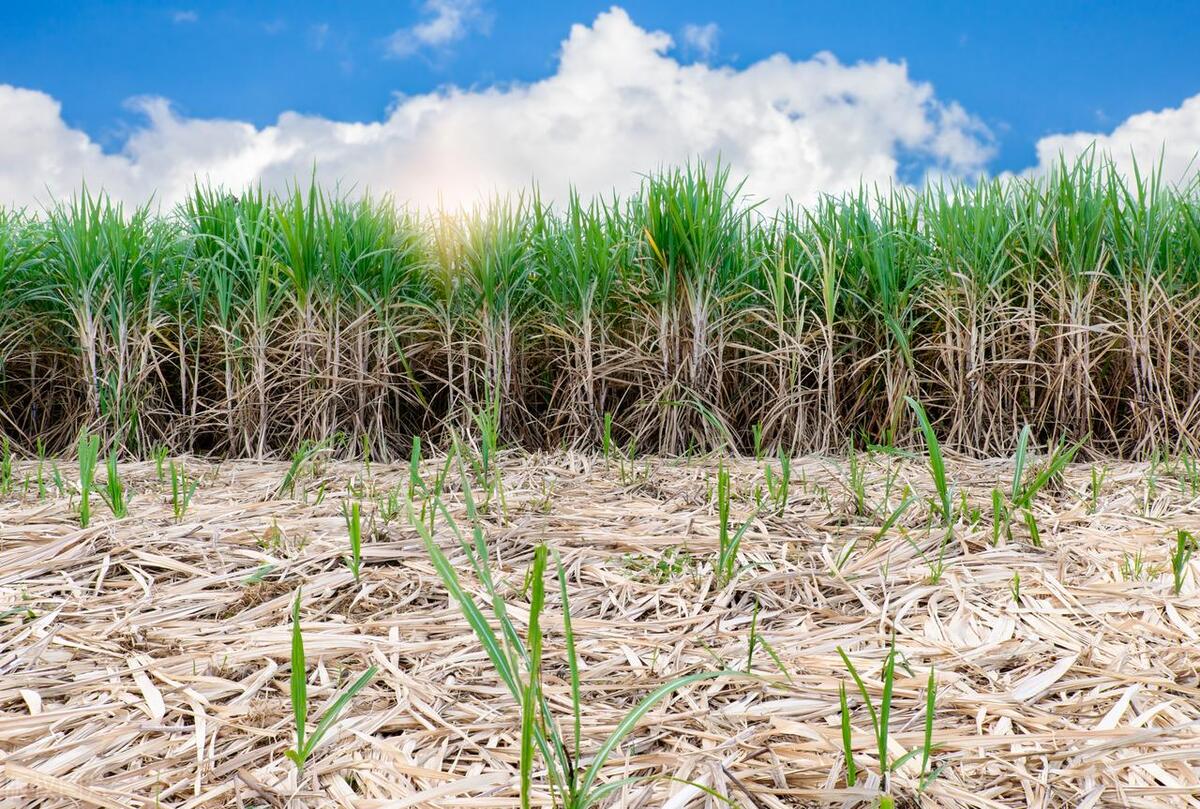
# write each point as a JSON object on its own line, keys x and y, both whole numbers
{"x": 1021, "y": 70}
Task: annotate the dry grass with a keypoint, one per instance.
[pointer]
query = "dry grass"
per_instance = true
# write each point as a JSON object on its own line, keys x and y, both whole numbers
{"x": 149, "y": 673}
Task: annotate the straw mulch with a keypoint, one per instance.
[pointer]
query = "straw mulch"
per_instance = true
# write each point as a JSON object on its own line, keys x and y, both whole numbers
{"x": 139, "y": 667}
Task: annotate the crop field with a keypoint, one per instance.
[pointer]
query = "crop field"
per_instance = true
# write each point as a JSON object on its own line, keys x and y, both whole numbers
{"x": 146, "y": 661}
{"x": 309, "y": 500}
{"x": 244, "y": 325}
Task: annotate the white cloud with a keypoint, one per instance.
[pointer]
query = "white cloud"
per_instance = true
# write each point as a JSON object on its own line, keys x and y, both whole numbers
{"x": 702, "y": 38}
{"x": 184, "y": 16}
{"x": 618, "y": 104}
{"x": 1172, "y": 135}
{"x": 449, "y": 21}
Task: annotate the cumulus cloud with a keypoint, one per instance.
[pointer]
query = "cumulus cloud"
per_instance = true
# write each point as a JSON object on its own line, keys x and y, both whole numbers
{"x": 1172, "y": 135}
{"x": 701, "y": 38}
{"x": 448, "y": 21}
{"x": 184, "y": 16}
{"x": 618, "y": 104}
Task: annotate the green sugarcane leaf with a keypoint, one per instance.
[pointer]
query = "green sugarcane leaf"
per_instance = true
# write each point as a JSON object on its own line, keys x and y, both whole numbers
{"x": 299, "y": 677}
{"x": 631, "y": 719}
{"x": 331, "y": 714}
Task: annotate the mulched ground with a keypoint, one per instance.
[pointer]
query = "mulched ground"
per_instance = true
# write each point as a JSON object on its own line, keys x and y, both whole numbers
{"x": 145, "y": 662}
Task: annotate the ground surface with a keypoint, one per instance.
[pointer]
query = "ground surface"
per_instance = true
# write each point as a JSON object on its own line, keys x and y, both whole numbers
{"x": 144, "y": 662}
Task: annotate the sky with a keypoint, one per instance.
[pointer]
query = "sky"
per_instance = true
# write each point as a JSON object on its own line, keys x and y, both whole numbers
{"x": 452, "y": 100}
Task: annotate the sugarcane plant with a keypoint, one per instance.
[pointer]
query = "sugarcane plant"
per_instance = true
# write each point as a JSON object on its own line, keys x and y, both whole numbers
{"x": 880, "y": 715}
{"x": 307, "y": 742}
{"x": 519, "y": 661}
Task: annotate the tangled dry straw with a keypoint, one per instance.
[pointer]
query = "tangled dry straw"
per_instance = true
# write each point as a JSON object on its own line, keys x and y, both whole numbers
{"x": 143, "y": 662}
{"x": 240, "y": 326}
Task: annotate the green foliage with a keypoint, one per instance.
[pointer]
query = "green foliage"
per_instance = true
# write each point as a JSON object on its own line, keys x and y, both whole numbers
{"x": 159, "y": 453}
{"x": 937, "y": 464}
{"x": 1001, "y": 524}
{"x": 895, "y": 516}
{"x": 60, "y": 484}
{"x": 858, "y": 482}
{"x": 1189, "y": 474}
{"x": 847, "y": 737}
{"x": 937, "y": 469}
{"x": 182, "y": 489}
{"x": 89, "y": 455}
{"x": 6, "y": 467}
{"x": 1035, "y": 535}
{"x": 729, "y": 537}
{"x": 757, "y": 641}
{"x": 518, "y": 662}
{"x": 306, "y": 743}
{"x": 414, "y": 468}
{"x": 114, "y": 492}
{"x": 1023, "y": 492}
{"x": 778, "y": 486}
{"x": 246, "y": 323}
{"x": 487, "y": 429}
{"x": 303, "y": 463}
{"x": 1024, "y": 489}
{"x": 880, "y": 715}
{"x": 352, "y": 513}
{"x": 1181, "y": 554}
{"x": 1134, "y": 567}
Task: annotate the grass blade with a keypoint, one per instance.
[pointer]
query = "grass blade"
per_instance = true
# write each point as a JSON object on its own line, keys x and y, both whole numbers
{"x": 299, "y": 682}
{"x": 847, "y": 737}
{"x": 937, "y": 465}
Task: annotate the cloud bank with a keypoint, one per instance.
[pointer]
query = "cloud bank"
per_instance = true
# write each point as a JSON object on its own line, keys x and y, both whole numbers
{"x": 618, "y": 103}
{"x": 1171, "y": 136}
